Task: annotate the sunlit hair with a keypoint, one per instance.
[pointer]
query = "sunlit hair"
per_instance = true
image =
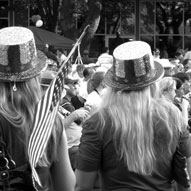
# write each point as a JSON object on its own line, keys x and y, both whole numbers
{"x": 18, "y": 106}
{"x": 134, "y": 118}
{"x": 166, "y": 84}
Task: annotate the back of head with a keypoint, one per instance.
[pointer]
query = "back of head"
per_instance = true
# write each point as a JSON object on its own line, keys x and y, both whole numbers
{"x": 88, "y": 72}
{"x": 20, "y": 64}
{"x": 132, "y": 108}
{"x": 166, "y": 84}
{"x": 95, "y": 81}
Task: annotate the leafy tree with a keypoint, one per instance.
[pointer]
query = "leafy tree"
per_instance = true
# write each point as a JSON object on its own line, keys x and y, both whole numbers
{"x": 72, "y": 16}
{"x": 79, "y": 14}
{"x": 48, "y": 10}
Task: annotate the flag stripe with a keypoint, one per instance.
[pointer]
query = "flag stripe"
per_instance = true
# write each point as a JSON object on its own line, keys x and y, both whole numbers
{"x": 36, "y": 136}
{"x": 41, "y": 109}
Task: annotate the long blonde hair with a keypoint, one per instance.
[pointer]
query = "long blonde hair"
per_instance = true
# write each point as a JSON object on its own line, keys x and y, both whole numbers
{"x": 18, "y": 106}
{"x": 133, "y": 116}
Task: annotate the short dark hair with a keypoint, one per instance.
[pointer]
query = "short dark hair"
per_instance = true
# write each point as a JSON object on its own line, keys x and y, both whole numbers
{"x": 186, "y": 61}
{"x": 87, "y": 71}
{"x": 182, "y": 76}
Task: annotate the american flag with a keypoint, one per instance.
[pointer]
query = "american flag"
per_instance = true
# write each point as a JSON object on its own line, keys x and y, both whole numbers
{"x": 45, "y": 114}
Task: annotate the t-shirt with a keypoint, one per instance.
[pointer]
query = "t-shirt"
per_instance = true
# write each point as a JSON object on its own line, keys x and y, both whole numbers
{"x": 97, "y": 152}
{"x": 14, "y": 139}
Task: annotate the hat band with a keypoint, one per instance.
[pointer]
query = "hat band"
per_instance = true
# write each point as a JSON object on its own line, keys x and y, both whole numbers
{"x": 136, "y": 71}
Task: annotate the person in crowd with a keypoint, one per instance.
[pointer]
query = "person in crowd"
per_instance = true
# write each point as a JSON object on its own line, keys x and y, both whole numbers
{"x": 168, "y": 90}
{"x": 187, "y": 54}
{"x": 80, "y": 69}
{"x": 168, "y": 67}
{"x": 187, "y": 64}
{"x": 96, "y": 91}
{"x": 77, "y": 100}
{"x": 163, "y": 50}
{"x": 87, "y": 73}
{"x": 180, "y": 56}
{"x": 73, "y": 120}
{"x": 132, "y": 138}
{"x": 105, "y": 60}
{"x": 178, "y": 67}
{"x": 86, "y": 59}
{"x": 20, "y": 67}
{"x": 156, "y": 54}
{"x": 60, "y": 56}
{"x": 185, "y": 79}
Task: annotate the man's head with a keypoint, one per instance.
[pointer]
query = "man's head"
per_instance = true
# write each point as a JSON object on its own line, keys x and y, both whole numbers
{"x": 71, "y": 86}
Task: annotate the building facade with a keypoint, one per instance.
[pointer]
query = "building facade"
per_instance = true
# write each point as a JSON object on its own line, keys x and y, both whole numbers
{"x": 164, "y": 24}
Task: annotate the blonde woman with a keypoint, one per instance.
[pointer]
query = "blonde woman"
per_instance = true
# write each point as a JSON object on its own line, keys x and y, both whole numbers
{"x": 167, "y": 90}
{"x": 131, "y": 140}
{"x": 20, "y": 66}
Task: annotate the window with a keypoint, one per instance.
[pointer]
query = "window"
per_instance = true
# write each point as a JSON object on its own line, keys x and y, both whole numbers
{"x": 166, "y": 24}
{"x": 4, "y": 14}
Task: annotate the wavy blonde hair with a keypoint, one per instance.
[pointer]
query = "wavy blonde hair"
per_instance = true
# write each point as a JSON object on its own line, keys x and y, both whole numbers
{"x": 133, "y": 116}
{"x": 166, "y": 84}
{"x": 18, "y": 106}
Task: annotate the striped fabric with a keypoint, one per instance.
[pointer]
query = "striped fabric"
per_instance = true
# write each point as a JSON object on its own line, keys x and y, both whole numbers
{"x": 43, "y": 122}
{"x": 44, "y": 118}
{"x": 45, "y": 115}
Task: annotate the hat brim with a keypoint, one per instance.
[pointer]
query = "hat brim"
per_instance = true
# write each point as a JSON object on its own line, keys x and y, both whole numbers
{"x": 109, "y": 81}
{"x": 40, "y": 65}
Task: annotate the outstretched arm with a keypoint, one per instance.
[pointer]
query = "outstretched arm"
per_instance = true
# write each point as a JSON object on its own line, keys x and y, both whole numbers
{"x": 61, "y": 171}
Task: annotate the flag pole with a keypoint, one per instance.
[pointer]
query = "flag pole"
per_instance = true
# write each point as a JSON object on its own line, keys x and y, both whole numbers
{"x": 74, "y": 48}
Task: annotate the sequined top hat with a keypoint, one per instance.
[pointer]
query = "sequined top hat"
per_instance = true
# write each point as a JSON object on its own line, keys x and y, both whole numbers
{"x": 19, "y": 59}
{"x": 133, "y": 67}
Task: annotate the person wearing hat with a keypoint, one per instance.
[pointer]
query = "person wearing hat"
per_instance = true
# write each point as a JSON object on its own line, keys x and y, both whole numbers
{"x": 20, "y": 67}
{"x": 168, "y": 90}
{"x": 168, "y": 66}
{"x": 105, "y": 60}
{"x": 132, "y": 139}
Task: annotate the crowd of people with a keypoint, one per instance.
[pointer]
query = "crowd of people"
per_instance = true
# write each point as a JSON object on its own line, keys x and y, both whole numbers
{"x": 120, "y": 123}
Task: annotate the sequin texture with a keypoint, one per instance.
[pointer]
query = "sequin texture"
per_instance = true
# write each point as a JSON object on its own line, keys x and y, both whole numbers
{"x": 139, "y": 67}
{"x": 3, "y": 55}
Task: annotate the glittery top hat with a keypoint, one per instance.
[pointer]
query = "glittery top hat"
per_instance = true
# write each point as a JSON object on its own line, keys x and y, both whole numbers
{"x": 19, "y": 59}
{"x": 133, "y": 67}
